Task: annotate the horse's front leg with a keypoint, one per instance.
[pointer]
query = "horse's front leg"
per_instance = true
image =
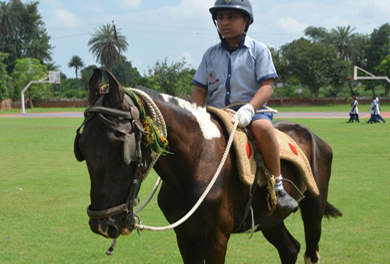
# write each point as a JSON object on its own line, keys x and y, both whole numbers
{"x": 287, "y": 246}
{"x": 210, "y": 249}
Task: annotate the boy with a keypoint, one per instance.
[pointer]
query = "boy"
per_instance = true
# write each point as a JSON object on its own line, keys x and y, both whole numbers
{"x": 354, "y": 113}
{"x": 240, "y": 69}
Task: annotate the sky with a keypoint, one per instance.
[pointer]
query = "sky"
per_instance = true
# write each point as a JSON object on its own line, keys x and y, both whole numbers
{"x": 175, "y": 29}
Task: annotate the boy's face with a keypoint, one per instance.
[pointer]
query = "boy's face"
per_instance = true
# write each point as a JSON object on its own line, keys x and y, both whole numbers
{"x": 231, "y": 24}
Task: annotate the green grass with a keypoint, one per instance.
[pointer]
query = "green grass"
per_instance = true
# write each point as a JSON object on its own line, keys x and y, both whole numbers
{"x": 385, "y": 107}
{"x": 42, "y": 110}
{"x": 44, "y": 193}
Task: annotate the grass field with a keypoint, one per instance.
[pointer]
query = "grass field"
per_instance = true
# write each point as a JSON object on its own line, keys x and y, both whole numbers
{"x": 44, "y": 193}
{"x": 385, "y": 107}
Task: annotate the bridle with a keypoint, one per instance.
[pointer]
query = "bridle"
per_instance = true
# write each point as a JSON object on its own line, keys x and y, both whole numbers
{"x": 131, "y": 152}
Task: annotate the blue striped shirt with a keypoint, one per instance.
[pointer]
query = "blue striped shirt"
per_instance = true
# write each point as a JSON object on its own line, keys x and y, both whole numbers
{"x": 234, "y": 78}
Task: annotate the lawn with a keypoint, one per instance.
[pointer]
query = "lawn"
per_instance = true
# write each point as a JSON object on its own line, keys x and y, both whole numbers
{"x": 45, "y": 192}
{"x": 385, "y": 107}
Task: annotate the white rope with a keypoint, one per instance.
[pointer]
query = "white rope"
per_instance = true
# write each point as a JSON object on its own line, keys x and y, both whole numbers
{"x": 202, "y": 197}
{"x": 266, "y": 109}
{"x": 160, "y": 122}
{"x": 159, "y": 119}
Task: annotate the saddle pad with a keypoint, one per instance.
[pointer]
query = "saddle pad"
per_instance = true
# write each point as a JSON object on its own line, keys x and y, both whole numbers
{"x": 245, "y": 153}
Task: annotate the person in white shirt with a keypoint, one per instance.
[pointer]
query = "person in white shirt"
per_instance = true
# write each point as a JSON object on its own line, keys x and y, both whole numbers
{"x": 354, "y": 112}
{"x": 377, "y": 110}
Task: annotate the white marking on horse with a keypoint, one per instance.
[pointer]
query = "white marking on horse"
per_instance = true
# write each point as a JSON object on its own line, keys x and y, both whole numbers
{"x": 208, "y": 128}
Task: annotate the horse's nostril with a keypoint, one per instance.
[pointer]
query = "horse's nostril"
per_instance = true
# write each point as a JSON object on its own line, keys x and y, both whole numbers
{"x": 112, "y": 229}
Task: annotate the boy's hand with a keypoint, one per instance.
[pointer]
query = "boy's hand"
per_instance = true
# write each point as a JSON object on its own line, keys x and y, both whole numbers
{"x": 244, "y": 115}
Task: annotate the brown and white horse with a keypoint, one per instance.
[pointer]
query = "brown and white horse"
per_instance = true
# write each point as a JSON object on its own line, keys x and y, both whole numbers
{"x": 197, "y": 140}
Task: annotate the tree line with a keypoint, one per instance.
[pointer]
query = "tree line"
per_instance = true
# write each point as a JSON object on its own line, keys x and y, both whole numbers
{"x": 318, "y": 64}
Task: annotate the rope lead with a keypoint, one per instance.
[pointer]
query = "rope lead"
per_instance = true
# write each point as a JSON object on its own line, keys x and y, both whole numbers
{"x": 111, "y": 249}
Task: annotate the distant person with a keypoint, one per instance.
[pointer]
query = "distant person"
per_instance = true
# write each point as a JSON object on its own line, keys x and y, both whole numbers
{"x": 354, "y": 112}
{"x": 377, "y": 110}
{"x": 373, "y": 118}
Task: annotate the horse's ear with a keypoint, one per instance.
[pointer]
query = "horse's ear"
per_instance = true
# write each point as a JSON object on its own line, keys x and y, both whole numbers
{"x": 94, "y": 86}
{"x": 116, "y": 93}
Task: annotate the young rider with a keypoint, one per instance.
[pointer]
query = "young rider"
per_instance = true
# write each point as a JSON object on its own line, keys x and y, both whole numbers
{"x": 240, "y": 69}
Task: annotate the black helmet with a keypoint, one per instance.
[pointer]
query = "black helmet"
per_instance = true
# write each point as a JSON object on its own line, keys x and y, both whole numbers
{"x": 243, "y": 5}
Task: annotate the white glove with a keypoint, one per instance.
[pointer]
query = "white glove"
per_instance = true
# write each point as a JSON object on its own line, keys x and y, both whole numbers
{"x": 244, "y": 115}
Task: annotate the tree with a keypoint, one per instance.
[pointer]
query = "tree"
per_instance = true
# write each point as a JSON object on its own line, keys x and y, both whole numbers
{"x": 343, "y": 39}
{"x": 376, "y": 51}
{"x": 105, "y": 47}
{"x": 9, "y": 19}
{"x": 39, "y": 48}
{"x": 317, "y": 34}
{"x": 29, "y": 37}
{"x": 4, "y": 77}
{"x": 131, "y": 74}
{"x": 26, "y": 70}
{"x": 174, "y": 79}
{"x": 316, "y": 65}
{"x": 384, "y": 70}
{"x": 77, "y": 63}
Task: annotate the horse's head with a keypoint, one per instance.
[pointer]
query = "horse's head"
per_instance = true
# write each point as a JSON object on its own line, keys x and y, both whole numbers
{"x": 110, "y": 143}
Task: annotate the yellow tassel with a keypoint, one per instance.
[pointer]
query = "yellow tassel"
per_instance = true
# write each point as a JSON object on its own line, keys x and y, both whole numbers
{"x": 271, "y": 196}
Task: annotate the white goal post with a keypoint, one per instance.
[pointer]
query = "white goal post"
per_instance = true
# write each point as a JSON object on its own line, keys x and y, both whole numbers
{"x": 370, "y": 77}
{"x": 49, "y": 77}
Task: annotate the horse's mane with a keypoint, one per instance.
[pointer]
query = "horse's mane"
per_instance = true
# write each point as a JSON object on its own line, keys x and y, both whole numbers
{"x": 168, "y": 98}
{"x": 208, "y": 128}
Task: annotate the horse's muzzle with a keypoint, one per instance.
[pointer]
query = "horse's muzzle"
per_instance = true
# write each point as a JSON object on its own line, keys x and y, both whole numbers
{"x": 113, "y": 227}
{"x": 108, "y": 227}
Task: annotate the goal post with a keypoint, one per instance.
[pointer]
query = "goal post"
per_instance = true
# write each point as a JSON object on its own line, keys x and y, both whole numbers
{"x": 370, "y": 77}
{"x": 50, "y": 77}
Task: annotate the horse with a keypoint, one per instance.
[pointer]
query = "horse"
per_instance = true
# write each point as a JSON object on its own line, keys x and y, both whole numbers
{"x": 113, "y": 127}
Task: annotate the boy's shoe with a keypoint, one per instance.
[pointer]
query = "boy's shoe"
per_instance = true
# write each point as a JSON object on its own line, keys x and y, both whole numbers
{"x": 286, "y": 204}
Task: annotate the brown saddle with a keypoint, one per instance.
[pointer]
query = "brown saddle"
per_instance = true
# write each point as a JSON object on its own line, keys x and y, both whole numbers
{"x": 245, "y": 152}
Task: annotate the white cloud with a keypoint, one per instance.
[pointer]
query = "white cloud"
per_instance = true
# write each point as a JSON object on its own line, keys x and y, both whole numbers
{"x": 291, "y": 25}
{"x": 129, "y": 4}
{"x": 64, "y": 18}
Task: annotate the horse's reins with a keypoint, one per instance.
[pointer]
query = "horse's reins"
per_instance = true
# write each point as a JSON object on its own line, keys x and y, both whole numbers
{"x": 138, "y": 131}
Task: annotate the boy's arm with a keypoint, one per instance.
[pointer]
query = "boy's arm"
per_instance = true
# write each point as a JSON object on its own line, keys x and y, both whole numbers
{"x": 263, "y": 94}
{"x": 198, "y": 96}
{"x": 245, "y": 114}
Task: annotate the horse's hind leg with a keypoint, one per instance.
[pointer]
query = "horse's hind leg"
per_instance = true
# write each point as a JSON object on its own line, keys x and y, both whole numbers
{"x": 312, "y": 217}
{"x": 287, "y": 246}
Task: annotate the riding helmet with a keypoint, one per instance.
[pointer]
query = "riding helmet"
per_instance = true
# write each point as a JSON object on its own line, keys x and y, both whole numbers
{"x": 243, "y": 5}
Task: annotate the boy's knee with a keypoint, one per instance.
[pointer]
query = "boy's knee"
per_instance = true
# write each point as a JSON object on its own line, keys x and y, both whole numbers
{"x": 263, "y": 127}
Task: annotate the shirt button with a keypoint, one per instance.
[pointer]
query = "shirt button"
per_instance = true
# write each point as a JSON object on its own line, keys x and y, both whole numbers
{"x": 228, "y": 92}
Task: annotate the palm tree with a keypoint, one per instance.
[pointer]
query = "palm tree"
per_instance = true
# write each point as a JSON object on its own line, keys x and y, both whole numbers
{"x": 105, "y": 47}
{"x": 76, "y": 62}
{"x": 344, "y": 40}
{"x": 9, "y": 19}
{"x": 39, "y": 48}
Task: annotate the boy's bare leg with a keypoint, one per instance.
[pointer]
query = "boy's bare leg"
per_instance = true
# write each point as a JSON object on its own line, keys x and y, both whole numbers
{"x": 265, "y": 136}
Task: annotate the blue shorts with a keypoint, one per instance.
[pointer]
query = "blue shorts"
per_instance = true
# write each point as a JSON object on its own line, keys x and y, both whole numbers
{"x": 269, "y": 116}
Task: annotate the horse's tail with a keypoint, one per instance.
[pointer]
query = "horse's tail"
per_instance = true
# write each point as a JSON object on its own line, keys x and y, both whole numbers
{"x": 331, "y": 211}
